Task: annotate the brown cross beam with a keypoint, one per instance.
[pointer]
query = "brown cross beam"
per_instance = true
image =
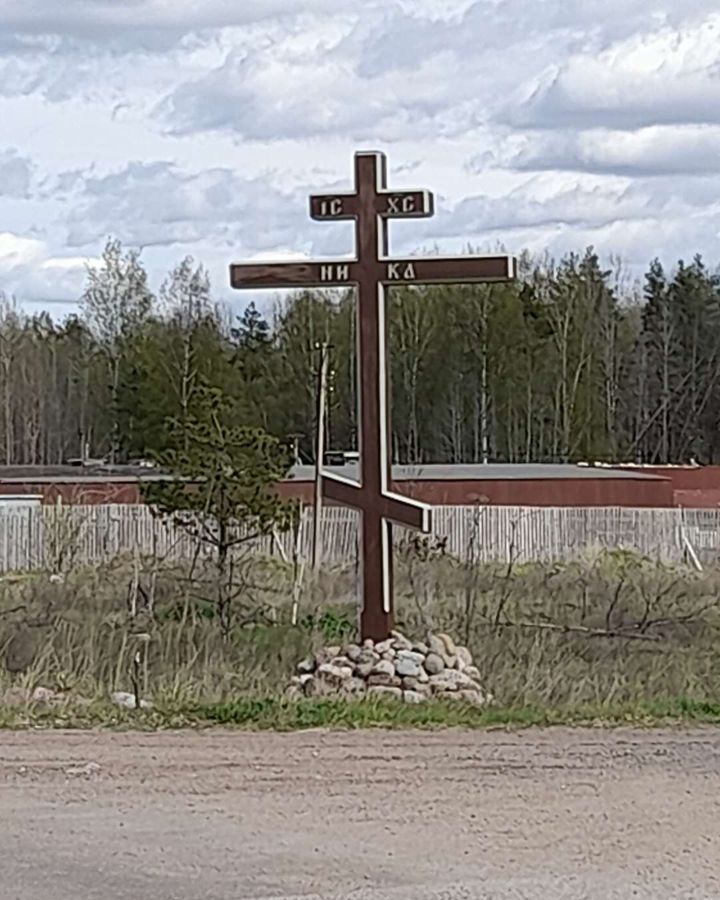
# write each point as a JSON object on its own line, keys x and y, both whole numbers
{"x": 371, "y": 271}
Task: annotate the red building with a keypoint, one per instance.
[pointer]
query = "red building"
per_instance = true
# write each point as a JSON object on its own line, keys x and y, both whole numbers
{"x": 76, "y": 485}
{"x": 494, "y": 484}
{"x": 694, "y": 487}
{"x": 511, "y": 485}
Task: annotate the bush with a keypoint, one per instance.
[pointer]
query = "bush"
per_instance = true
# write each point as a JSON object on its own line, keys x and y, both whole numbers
{"x": 595, "y": 633}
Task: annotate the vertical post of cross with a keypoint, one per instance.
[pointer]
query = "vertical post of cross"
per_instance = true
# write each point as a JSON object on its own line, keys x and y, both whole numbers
{"x": 376, "y": 618}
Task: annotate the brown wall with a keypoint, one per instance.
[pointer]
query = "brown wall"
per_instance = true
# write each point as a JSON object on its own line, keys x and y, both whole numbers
{"x": 510, "y": 492}
{"x": 695, "y": 487}
{"x": 531, "y": 492}
{"x": 75, "y": 493}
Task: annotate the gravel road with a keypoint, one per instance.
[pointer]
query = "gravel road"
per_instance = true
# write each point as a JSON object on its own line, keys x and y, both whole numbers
{"x": 454, "y": 815}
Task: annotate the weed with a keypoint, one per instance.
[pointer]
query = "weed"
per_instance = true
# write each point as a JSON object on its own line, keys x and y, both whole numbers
{"x": 612, "y": 633}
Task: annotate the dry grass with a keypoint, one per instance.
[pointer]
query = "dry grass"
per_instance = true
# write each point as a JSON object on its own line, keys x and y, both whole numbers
{"x": 608, "y": 629}
{"x": 607, "y": 632}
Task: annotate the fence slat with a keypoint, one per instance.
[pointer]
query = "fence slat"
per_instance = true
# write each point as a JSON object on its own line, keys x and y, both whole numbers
{"x": 48, "y": 538}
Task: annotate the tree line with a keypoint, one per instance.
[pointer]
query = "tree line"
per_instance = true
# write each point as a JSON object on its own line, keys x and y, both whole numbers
{"x": 571, "y": 362}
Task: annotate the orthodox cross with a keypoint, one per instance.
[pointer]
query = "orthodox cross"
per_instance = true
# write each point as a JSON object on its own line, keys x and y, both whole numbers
{"x": 370, "y": 272}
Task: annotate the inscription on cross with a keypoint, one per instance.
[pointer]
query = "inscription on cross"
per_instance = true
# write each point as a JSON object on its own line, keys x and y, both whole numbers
{"x": 370, "y": 206}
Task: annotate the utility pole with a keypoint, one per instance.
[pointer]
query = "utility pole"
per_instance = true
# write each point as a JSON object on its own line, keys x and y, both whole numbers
{"x": 484, "y": 399}
{"x": 322, "y": 389}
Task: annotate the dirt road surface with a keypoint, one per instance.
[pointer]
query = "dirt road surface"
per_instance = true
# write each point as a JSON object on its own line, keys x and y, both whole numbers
{"x": 452, "y": 815}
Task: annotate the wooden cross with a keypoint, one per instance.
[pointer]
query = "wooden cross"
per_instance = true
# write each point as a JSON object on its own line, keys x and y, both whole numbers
{"x": 371, "y": 271}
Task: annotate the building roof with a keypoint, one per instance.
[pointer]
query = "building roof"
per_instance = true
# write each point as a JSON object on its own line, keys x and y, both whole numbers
{"x": 80, "y": 474}
{"x": 481, "y": 472}
{"x": 486, "y": 472}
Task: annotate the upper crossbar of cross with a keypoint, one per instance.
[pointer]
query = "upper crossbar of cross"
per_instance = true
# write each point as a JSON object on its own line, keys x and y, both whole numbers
{"x": 371, "y": 205}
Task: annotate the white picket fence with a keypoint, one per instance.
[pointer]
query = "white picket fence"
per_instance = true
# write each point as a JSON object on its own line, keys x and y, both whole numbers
{"x": 60, "y": 538}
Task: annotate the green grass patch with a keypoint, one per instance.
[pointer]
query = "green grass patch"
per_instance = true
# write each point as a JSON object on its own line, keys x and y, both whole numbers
{"x": 270, "y": 714}
{"x": 279, "y": 715}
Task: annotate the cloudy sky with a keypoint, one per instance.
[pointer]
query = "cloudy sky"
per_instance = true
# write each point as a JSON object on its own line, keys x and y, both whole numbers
{"x": 198, "y": 127}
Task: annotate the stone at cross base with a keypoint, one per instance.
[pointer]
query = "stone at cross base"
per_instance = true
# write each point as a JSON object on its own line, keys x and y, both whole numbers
{"x": 371, "y": 271}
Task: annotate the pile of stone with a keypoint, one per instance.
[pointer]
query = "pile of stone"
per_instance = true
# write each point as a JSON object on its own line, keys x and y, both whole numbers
{"x": 398, "y": 668}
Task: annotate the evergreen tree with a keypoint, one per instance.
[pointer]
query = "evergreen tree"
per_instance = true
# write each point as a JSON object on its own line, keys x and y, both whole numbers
{"x": 223, "y": 491}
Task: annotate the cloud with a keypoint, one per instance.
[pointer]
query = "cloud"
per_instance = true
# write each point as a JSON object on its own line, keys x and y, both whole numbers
{"x": 29, "y": 271}
{"x": 665, "y": 77}
{"x": 636, "y": 219}
{"x": 288, "y": 92}
{"x": 16, "y": 173}
{"x": 542, "y": 204}
{"x": 158, "y": 204}
{"x": 691, "y": 150}
{"x": 399, "y": 73}
{"x": 200, "y": 126}
{"x": 151, "y": 25}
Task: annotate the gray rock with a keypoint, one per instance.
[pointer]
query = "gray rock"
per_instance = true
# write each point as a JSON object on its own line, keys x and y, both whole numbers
{"x": 354, "y": 686}
{"x": 407, "y": 667}
{"x": 389, "y": 693}
{"x": 473, "y": 672}
{"x": 367, "y": 656}
{"x": 435, "y": 645}
{"x": 331, "y": 652}
{"x": 334, "y": 674}
{"x": 420, "y": 647}
{"x": 434, "y": 663}
{"x": 383, "y": 646}
{"x": 413, "y": 697}
{"x": 451, "y": 662}
{"x": 362, "y": 670}
{"x": 389, "y": 654}
{"x": 412, "y": 684}
{"x": 448, "y": 643}
{"x": 411, "y": 654}
{"x": 295, "y": 692}
{"x": 307, "y": 666}
{"x": 342, "y": 661}
{"x": 449, "y": 680}
{"x": 122, "y": 698}
{"x": 464, "y": 657}
{"x": 383, "y": 667}
{"x": 400, "y": 642}
{"x": 353, "y": 652}
{"x": 317, "y": 687}
{"x": 46, "y": 695}
{"x": 385, "y": 680}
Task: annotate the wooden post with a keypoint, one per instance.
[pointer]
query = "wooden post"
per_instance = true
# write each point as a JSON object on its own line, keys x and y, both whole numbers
{"x": 319, "y": 455}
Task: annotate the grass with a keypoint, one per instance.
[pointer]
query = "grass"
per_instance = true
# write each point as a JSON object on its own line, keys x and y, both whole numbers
{"x": 611, "y": 638}
{"x": 271, "y": 714}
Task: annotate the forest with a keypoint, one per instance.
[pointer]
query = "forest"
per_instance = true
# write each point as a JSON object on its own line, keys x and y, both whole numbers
{"x": 573, "y": 362}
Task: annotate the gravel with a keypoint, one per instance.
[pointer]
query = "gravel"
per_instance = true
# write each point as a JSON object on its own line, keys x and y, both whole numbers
{"x": 452, "y": 815}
